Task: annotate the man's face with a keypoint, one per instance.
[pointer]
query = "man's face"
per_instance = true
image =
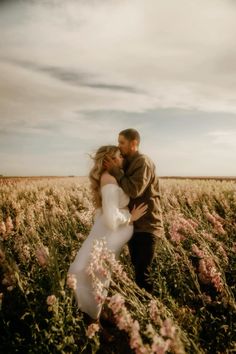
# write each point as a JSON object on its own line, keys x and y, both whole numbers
{"x": 125, "y": 145}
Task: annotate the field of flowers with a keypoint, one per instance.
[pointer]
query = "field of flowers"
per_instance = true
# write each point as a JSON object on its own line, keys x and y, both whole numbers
{"x": 43, "y": 222}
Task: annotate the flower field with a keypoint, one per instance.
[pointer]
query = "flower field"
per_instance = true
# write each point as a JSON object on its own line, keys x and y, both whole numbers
{"x": 43, "y": 222}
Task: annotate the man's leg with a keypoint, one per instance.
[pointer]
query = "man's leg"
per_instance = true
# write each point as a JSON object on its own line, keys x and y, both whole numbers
{"x": 142, "y": 248}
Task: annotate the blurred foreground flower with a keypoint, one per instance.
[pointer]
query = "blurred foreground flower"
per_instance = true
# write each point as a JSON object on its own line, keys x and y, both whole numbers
{"x": 42, "y": 255}
{"x": 52, "y": 303}
{"x": 9, "y": 225}
{"x": 3, "y": 228}
{"x": 92, "y": 330}
{"x": 207, "y": 271}
{"x": 51, "y": 300}
{"x": 71, "y": 281}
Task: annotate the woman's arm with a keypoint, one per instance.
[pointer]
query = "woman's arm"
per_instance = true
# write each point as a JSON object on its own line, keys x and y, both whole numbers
{"x": 113, "y": 215}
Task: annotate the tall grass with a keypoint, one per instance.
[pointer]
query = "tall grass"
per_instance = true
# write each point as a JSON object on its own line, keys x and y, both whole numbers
{"x": 192, "y": 309}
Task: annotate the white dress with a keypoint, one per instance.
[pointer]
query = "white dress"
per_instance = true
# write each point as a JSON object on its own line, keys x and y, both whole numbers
{"x": 112, "y": 224}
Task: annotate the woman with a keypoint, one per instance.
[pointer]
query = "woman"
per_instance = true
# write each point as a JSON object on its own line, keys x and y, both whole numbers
{"x": 113, "y": 222}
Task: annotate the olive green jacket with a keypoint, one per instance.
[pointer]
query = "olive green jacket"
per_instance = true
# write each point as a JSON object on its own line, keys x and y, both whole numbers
{"x": 139, "y": 181}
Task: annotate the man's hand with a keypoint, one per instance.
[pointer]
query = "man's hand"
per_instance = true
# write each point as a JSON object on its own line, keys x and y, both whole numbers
{"x": 108, "y": 163}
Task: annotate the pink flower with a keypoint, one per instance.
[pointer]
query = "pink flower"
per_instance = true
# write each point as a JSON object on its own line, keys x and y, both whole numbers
{"x": 180, "y": 227}
{"x": 80, "y": 236}
{"x": 208, "y": 273}
{"x": 154, "y": 312}
{"x": 175, "y": 236}
{"x": 215, "y": 220}
{"x": 9, "y": 225}
{"x": 26, "y": 252}
{"x": 223, "y": 253}
{"x": 116, "y": 303}
{"x": 168, "y": 329}
{"x": 197, "y": 251}
{"x": 92, "y": 330}
{"x": 42, "y": 255}
{"x": 51, "y": 300}
{"x": 71, "y": 281}
{"x": 101, "y": 266}
{"x": 159, "y": 345}
{"x": 3, "y": 228}
{"x": 208, "y": 236}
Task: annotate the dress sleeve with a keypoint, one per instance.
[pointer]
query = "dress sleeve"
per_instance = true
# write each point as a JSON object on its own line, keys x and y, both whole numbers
{"x": 113, "y": 215}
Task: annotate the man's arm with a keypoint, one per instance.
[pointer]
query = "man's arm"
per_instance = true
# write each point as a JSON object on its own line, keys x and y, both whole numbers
{"x": 135, "y": 184}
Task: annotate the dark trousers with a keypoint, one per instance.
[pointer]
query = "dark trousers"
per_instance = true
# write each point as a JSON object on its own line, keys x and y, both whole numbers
{"x": 142, "y": 248}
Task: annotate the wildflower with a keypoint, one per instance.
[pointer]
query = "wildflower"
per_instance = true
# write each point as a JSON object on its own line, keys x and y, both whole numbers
{"x": 215, "y": 220}
{"x": 102, "y": 261}
{"x": 9, "y": 225}
{"x": 71, "y": 281}
{"x": 2, "y": 256}
{"x": 51, "y": 300}
{"x": 86, "y": 203}
{"x": 206, "y": 298}
{"x": 208, "y": 273}
{"x": 116, "y": 303}
{"x": 3, "y": 228}
{"x": 80, "y": 236}
{"x": 208, "y": 236}
{"x": 63, "y": 293}
{"x": 92, "y": 330}
{"x": 77, "y": 214}
{"x": 42, "y": 255}
{"x": 168, "y": 329}
{"x": 175, "y": 236}
{"x": 197, "y": 251}
{"x": 159, "y": 345}
{"x": 8, "y": 280}
{"x": 10, "y": 288}
{"x": 223, "y": 253}
{"x": 125, "y": 322}
{"x": 180, "y": 227}
{"x": 154, "y": 312}
{"x": 26, "y": 252}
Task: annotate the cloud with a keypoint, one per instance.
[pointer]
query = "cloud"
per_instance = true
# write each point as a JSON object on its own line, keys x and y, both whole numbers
{"x": 223, "y": 138}
{"x": 70, "y": 76}
{"x": 152, "y": 50}
{"x": 75, "y": 73}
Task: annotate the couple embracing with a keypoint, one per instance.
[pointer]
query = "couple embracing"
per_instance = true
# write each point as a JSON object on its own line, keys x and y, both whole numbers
{"x": 127, "y": 198}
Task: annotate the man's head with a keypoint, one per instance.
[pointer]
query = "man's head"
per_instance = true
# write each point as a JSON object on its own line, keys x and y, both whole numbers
{"x": 128, "y": 140}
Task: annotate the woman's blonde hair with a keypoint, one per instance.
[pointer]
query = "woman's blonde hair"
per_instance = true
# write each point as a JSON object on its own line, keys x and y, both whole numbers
{"x": 98, "y": 169}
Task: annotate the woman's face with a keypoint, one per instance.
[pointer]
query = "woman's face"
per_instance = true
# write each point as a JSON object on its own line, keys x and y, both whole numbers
{"x": 118, "y": 159}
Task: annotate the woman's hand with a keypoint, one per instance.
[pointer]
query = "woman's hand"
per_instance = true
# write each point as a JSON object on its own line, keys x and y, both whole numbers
{"x": 138, "y": 212}
{"x": 109, "y": 163}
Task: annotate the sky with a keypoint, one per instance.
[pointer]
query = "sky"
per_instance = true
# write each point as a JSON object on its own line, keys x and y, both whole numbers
{"x": 74, "y": 73}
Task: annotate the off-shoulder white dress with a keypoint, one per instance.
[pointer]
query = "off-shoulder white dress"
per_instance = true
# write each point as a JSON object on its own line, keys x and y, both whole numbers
{"x": 112, "y": 224}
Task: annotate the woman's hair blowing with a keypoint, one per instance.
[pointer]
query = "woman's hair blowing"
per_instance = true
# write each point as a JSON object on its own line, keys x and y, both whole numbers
{"x": 98, "y": 169}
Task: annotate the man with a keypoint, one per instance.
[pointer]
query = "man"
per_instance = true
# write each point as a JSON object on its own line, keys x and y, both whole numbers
{"x": 140, "y": 183}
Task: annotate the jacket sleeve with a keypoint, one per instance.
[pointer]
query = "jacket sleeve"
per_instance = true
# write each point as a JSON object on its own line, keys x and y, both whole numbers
{"x": 134, "y": 184}
{"x": 113, "y": 216}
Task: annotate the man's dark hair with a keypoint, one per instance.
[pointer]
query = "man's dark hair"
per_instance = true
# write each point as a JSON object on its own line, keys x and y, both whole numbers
{"x": 131, "y": 134}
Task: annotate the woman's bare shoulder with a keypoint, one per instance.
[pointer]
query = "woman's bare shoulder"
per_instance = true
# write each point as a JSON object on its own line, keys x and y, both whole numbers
{"x": 107, "y": 178}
